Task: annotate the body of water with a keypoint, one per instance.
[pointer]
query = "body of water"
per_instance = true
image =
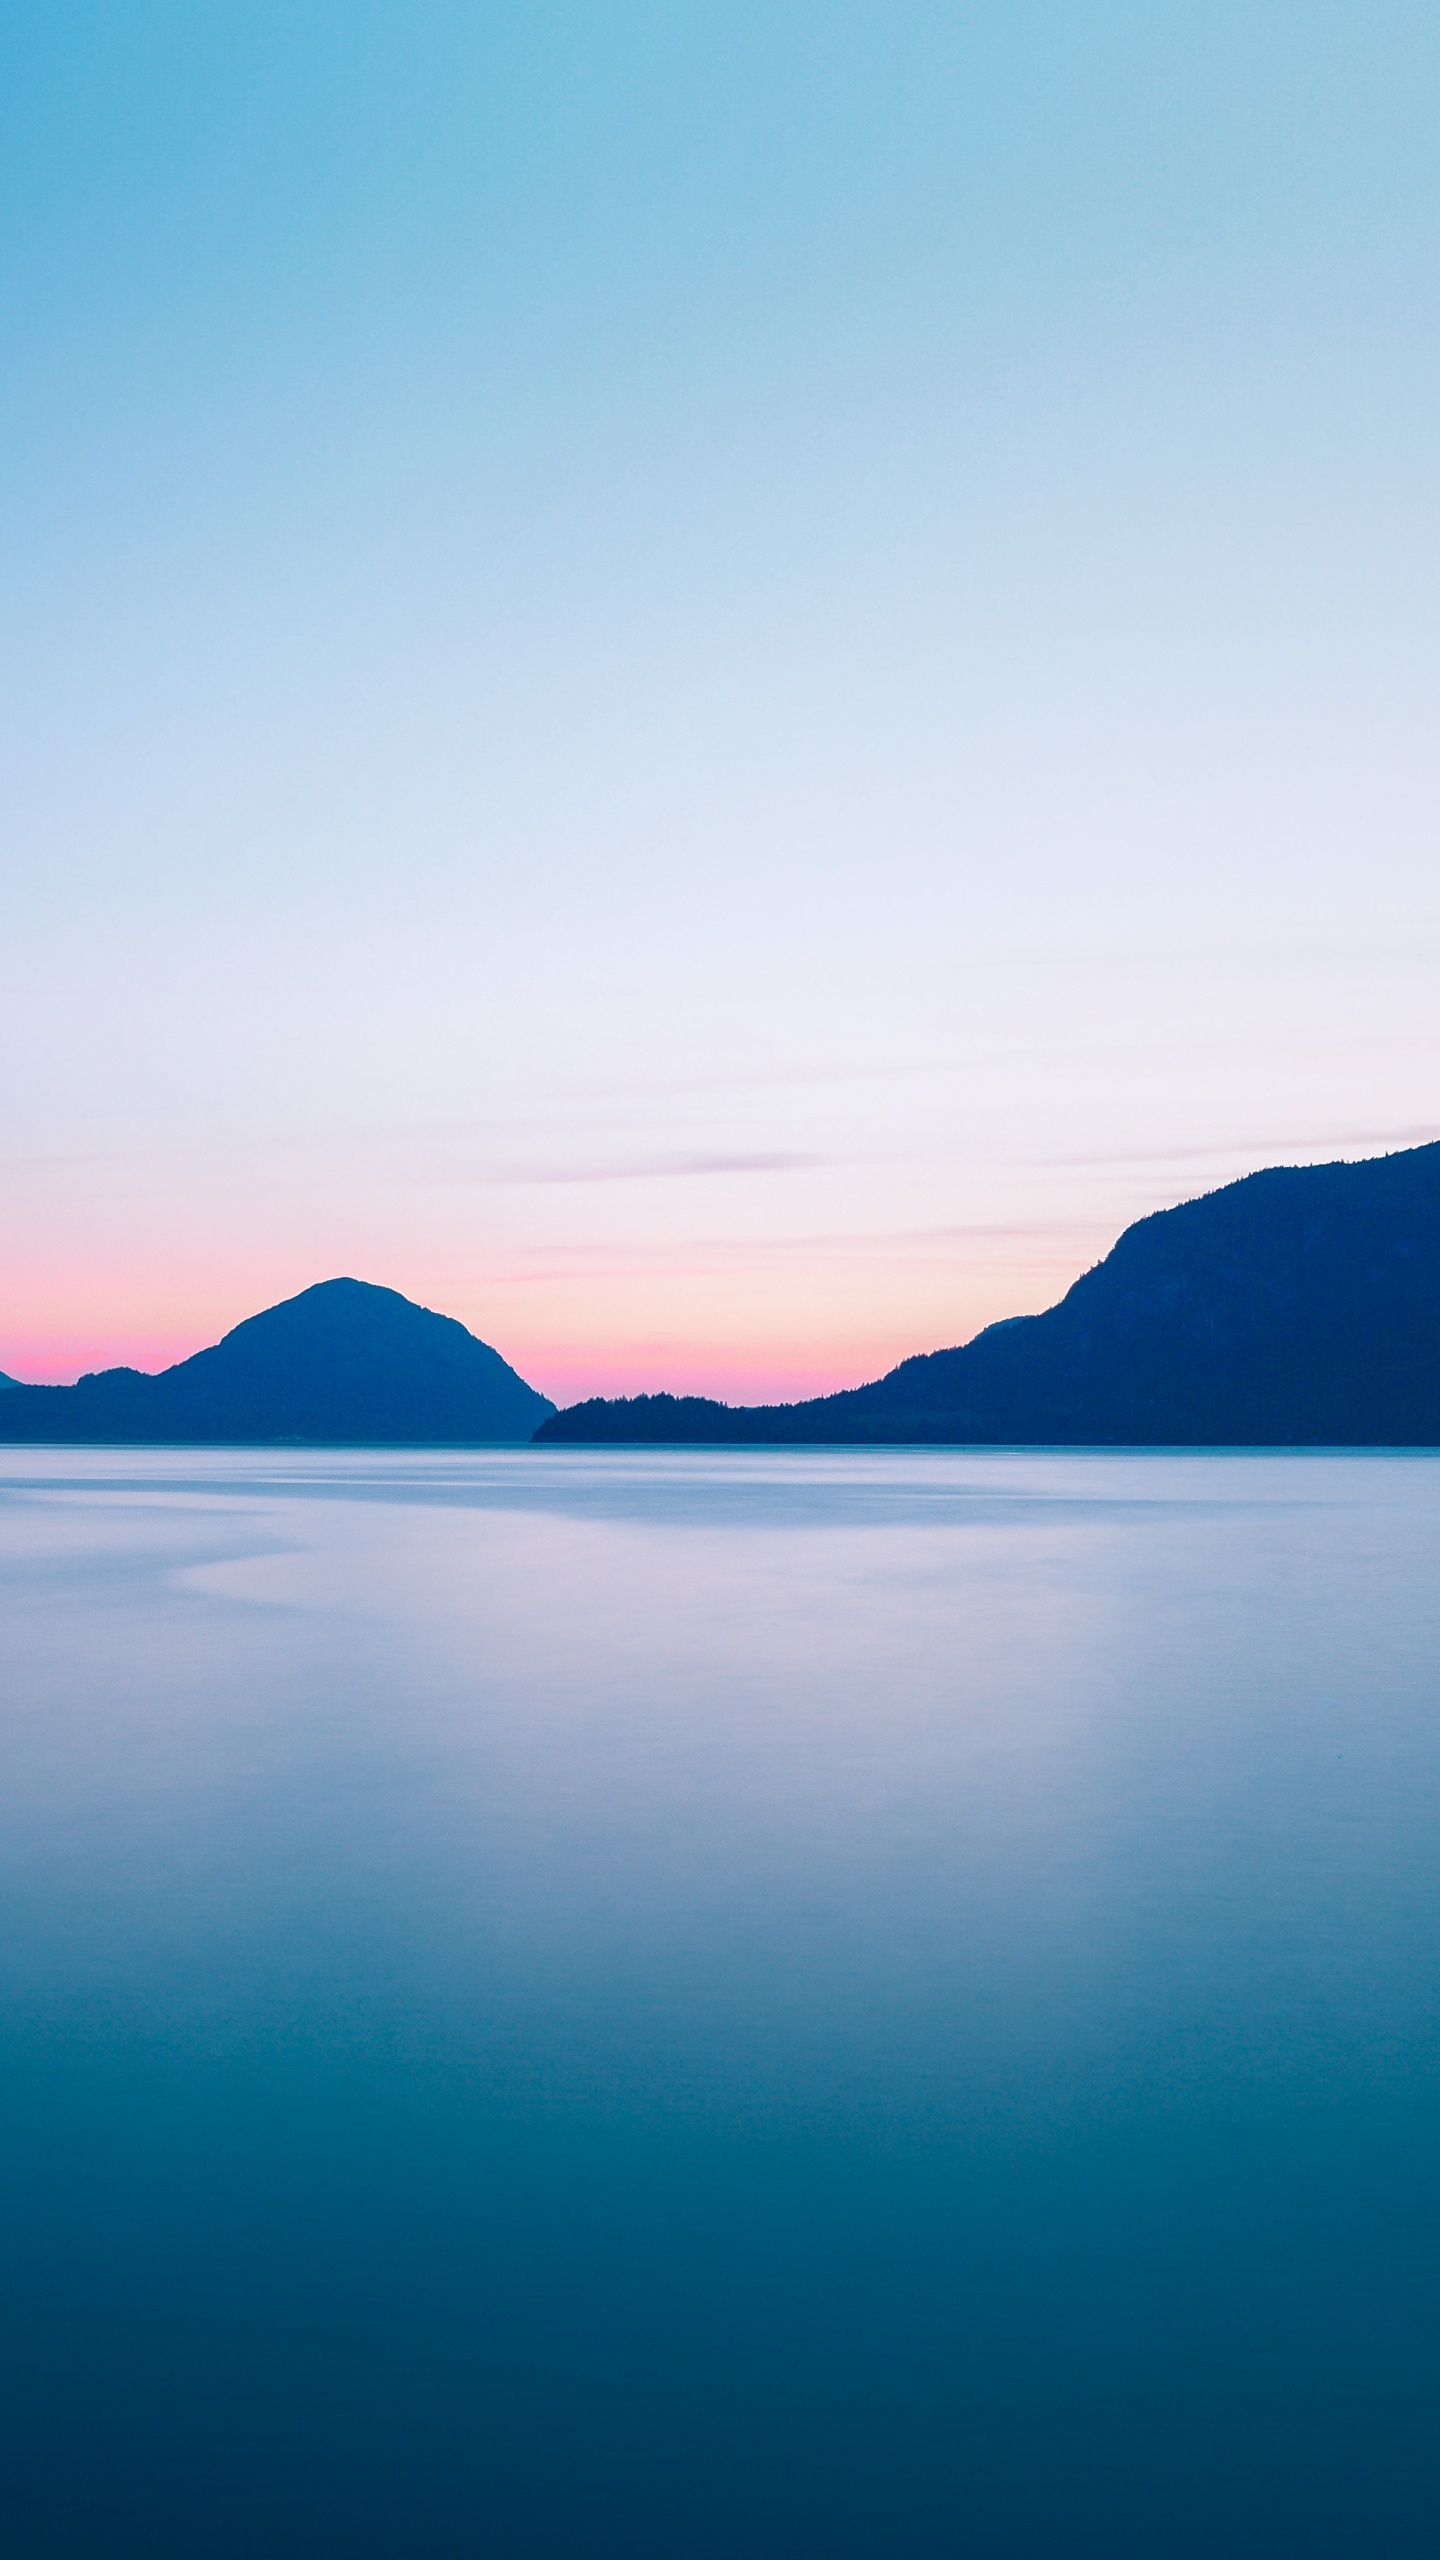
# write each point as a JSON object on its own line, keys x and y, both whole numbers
{"x": 719, "y": 2004}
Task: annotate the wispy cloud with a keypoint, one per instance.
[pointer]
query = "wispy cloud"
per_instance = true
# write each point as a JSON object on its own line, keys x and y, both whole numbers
{"x": 1257, "y": 1151}
{"x": 686, "y": 1165}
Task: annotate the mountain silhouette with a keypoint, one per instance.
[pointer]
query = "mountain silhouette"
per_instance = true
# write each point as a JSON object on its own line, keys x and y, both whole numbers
{"x": 342, "y": 1364}
{"x": 7, "y": 1382}
{"x": 1300, "y": 1306}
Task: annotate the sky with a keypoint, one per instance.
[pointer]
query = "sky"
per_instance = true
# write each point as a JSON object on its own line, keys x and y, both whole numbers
{"x": 709, "y": 685}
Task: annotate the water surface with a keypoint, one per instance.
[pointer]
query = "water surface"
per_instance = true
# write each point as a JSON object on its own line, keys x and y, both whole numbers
{"x": 718, "y": 2003}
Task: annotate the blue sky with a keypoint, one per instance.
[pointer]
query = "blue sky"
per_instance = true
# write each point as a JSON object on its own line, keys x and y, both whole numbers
{"x": 709, "y": 685}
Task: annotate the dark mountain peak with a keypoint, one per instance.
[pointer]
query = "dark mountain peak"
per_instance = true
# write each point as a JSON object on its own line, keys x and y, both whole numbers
{"x": 342, "y": 1363}
{"x": 335, "y": 1304}
{"x": 342, "y": 1318}
{"x": 1299, "y": 1305}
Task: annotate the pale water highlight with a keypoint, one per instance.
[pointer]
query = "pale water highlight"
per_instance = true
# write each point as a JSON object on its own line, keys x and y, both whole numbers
{"x": 653, "y": 2003}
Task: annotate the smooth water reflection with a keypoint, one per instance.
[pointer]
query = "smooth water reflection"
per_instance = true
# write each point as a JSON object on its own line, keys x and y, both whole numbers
{"x": 646, "y": 2003}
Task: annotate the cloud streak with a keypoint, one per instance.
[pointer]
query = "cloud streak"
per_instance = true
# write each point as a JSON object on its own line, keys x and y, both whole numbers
{"x": 685, "y": 1165}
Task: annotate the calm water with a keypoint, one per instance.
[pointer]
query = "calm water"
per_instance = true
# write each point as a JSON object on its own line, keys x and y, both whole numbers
{"x": 698, "y": 2005}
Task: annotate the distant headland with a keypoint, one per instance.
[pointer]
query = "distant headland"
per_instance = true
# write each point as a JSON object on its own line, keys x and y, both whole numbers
{"x": 1297, "y": 1308}
{"x": 342, "y": 1365}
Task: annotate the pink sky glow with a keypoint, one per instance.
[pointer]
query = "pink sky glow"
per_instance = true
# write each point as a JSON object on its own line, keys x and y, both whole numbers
{"x": 582, "y": 1304}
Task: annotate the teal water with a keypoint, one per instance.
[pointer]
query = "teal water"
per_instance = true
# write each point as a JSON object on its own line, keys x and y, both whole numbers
{"x": 720, "y": 2004}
